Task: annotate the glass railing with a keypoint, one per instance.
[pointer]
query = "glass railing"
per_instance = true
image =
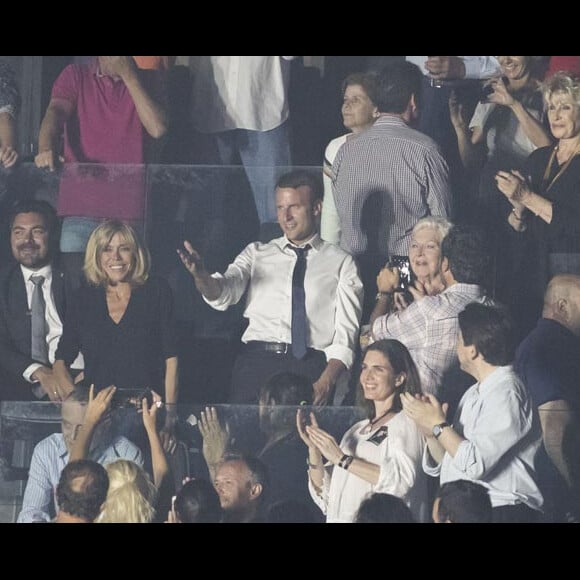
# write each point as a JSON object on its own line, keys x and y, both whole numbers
{"x": 269, "y": 434}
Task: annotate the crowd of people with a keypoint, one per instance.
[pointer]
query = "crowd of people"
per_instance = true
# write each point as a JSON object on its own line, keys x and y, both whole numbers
{"x": 428, "y": 271}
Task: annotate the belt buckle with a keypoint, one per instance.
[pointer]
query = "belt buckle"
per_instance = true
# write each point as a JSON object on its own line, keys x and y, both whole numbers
{"x": 281, "y": 348}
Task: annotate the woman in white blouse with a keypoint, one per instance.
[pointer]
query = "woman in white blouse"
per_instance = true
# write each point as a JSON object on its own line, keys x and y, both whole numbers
{"x": 359, "y": 113}
{"x": 379, "y": 455}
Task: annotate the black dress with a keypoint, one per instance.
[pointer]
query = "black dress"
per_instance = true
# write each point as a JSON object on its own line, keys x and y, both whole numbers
{"x": 548, "y": 249}
{"x": 130, "y": 354}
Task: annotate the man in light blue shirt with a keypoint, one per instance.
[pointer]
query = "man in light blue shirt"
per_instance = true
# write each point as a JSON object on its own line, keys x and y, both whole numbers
{"x": 51, "y": 456}
{"x": 496, "y": 434}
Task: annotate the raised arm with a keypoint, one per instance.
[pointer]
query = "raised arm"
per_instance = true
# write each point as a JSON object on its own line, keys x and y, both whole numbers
{"x": 158, "y": 458}
{"x": 8, "y": 151}
{"x": 97, "y": 407}
{"x": 152, "y": 114}
{"x": 210, "y": 288}
{"x": 58, "y": 113}
{"x": 534, "y": 130}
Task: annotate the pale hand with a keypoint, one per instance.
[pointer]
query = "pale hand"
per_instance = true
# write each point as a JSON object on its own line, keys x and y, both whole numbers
{"x": 215, "y": 437}
{"x": 8, "y": 157}
{"x": 121, "y": 66}
{"x": 500, "y": 95}
{"x": 48, "y": 160}
{"x": 325, "y": 443}
{"x": 425, "y": 410}
{"x": 514, "y": 186}
{"x": 98, "y": 405}
{"x": 388, "y": 280}
{"x": 49, "y": 384}
{"x": 301, "y": 427}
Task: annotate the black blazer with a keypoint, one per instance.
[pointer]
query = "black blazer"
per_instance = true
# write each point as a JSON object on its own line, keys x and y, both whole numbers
{"x": 15, "y": 322}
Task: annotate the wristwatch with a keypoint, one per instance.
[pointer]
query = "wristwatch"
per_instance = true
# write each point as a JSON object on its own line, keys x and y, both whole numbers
{"x": 438, "y": 429}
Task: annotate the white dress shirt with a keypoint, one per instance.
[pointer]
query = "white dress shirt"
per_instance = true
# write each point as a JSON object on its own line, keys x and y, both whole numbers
{"x": 334, "y": 295}
{"x": 239, "y": 92}
{"x": 476, "y": 67}
{"x": 398, "y": 456}
{"x": 53, "y": 320}
{"x": 503, "y": 435}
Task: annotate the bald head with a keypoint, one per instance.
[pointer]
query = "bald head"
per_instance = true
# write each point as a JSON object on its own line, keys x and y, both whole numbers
{"x": 562, "y": 302}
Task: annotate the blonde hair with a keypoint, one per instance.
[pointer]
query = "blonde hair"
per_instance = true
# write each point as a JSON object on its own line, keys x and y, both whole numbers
{"x": 562, "y": 82}
{"x": 96, "y": 245}
{"x": 131, "y": 495}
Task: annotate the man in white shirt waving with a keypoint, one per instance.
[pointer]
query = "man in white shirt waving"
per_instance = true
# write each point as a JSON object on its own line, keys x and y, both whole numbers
{"x": 306, "y": 324}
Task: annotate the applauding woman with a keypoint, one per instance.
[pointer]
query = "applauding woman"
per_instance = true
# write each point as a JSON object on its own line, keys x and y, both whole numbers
{"x": 379, "y": 455}
{"x": 122, "y": 322}
{"x": 545, "y": 196}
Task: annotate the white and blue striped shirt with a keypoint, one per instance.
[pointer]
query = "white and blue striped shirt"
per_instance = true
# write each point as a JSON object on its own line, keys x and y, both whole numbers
{"x": 49, "y": 459}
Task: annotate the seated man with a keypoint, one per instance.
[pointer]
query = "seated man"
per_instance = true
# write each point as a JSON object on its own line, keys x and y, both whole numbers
{"x": 52, "y": 454}
{"x": 548, "y": 361}
{"x": 81, "y": 492}
{"x": 496, "y": 433}
{"x": 462, "y": 502}
{"x": 241, "y": 482}
{"x": 429, "y": 326}
{"x": 33, "y": 298}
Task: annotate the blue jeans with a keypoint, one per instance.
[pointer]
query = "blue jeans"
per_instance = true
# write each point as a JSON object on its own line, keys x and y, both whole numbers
{"x": 265, "y": 155}
{"x": 75, "y": 233}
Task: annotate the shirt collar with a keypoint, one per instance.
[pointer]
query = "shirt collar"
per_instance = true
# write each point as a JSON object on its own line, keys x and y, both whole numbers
{"x": 314, "y": 242}
{"x": 46, "y": 271}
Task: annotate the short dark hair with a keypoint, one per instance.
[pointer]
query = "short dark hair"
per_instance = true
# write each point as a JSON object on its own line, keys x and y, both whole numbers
{"x": 464, "y": 502}
{"x": 491, "y": 330}
{"x": 367, "y": 80}
{"x": 39, "y": 206}
{"x": 82, "y": 489}
{"x": 48, "y": 213}
{"x": 396, "y": 84}
{"x": 288, "y": 389}
{"x": 383, "y": 508}
{"x": 198, "y": 503}
{"x": 467, "y": 251}
{"x": 257, "y": 469}
{"x": 400, "y": 359}
{"x": 282, "y": 392}
{"x": 303, "y": 178}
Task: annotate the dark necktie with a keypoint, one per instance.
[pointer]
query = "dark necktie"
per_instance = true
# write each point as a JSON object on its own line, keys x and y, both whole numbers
{"x": 299, "y": 322}
{"x": 39, "y": 349}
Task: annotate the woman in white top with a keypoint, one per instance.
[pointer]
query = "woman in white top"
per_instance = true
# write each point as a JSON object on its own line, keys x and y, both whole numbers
{"x": 507, "y": 127}
{"x": 379, "y": 455}
{"x": 359, "y": 113}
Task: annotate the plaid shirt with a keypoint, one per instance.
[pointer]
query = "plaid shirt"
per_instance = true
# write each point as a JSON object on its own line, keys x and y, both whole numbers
{"x": 408, "y": 172}
{"x": 429, "y": 328}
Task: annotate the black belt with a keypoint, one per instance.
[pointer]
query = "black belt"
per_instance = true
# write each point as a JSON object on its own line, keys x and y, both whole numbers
{"x": 272, "y": 347}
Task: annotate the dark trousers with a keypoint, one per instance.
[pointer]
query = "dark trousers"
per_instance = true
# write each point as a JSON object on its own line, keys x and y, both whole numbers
{"x": 253, "y": 368}
{"x": 515, "y": 514}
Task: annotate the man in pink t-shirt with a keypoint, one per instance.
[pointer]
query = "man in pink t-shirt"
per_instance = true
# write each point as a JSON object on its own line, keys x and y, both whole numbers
{"x": 107, "y": 110}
